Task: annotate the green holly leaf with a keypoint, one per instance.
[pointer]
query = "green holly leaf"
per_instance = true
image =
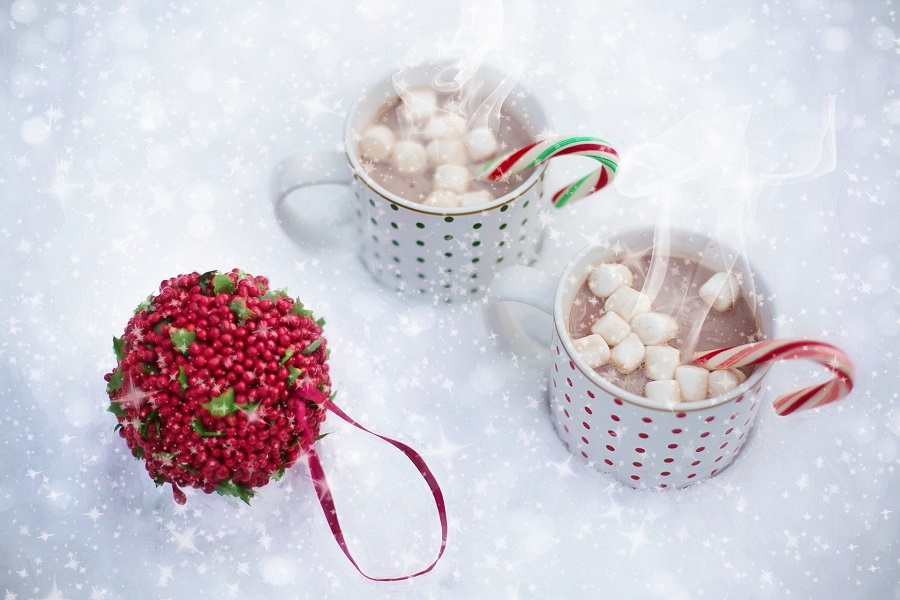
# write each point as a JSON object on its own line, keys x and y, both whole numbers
{"x": 299, "y": 310}
{"x": 147, "y": 305}
{"x": 320, "y": 322}
{"x": 287, "y": 355}
{"x": 182, "y": 378}
{"x": 275, "y": 295}
{"x": 223, "y": 404}
{"x": 279, "y": 473}
{"x": 149, "y": 369}
{"x": 230, "y": 488}
{"x": 327, "y": 353}
{"x": 138, "y": 452}
{"x": 312, "y": 347}
{"x": 321, "y": 436}
{"x": 116, "y": 408}
{"x": 161, "y": 323}
{"x": 198, "y": 427}
{"x": 119, "y": 348}
{"x": 223, "y": 283}
{"x": 165, "y": 455}
{"x": 293, "y": 374}
{"x": 204, "y": 280}
{"x": 187, "y": 468}
{"x": 182, "y": 338}
{"x": 152, "y": 419}
{"x": 115, "y": 381}
{"x": 240, "y": 310}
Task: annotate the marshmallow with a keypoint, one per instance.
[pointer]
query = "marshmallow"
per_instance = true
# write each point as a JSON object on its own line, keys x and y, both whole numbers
{"x": 654, "y": 329}
{"x": 721, "y": 382}
{"x": 377, "y": 142}
{"x": 607, "y": 278}
{"x": 408, "y": 157}
{"x": 442, "y": 199}
{"x": 611, "y": 327}
{"x": 693, "y": 381}
{"x": 593, "y": 350}
{"x": 442, "y": 152}
{"x": 627, "y": 302}
{"x": 451, "y": 177}
{"x": 447, "y": 127}
{"x": 628, "y": 354}
{"x": 476, "y": 198}
{"x": 721, "y": 291}
{"x": 481, "y": 143}
{"x": 418, "y": 104}
{"x": 660, "y": 362}
{"x": 664, "y": 391}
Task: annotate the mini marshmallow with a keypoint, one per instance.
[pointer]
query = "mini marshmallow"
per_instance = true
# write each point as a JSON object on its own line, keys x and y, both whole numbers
{"x": 654, "y": 329}
{"x": 693, "y": 381}
{"x": 721, "y": 291}
{"x": 628, "y": 354}
{"x": 611, "y": 327}
{"x": 409, "y": 157}
{"x": 627, "y": 302}
{"x": 593, "y": 350}
{"x": 664, "y": 391}
{"x": 442, "y": 199}
{"x": 377, "y": 142}
{"x": 418, "y": 104}
{"x": 444, "y": 152}
{"x": 476, "y": 198}
{"x": 452, "y": 177}
{"x": 481, "y": 143}
{"x": 724, "y": 381}
{"x": 660, "y": 362}
{"x": 607, "y": 278}
{"x": 447, "y": 127}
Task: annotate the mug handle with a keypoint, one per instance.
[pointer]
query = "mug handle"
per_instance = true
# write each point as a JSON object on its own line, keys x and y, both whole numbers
{"x": 303, "y": 170}
{"x": 526, "y": 336}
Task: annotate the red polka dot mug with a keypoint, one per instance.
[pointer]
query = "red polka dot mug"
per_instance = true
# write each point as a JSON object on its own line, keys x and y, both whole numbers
{"x": 642, "y": 443}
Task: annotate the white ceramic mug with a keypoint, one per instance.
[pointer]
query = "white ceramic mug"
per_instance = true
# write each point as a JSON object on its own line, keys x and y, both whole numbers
{"x": 639, "y": 442}
{"x": 441, "y": 254}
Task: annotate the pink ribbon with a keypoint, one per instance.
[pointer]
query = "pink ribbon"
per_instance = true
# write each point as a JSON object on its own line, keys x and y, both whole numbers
{"x": 327, "y": 501}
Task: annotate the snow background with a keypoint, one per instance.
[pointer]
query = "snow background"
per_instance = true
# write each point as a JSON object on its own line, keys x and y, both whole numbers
{"x": 138, "y": 139}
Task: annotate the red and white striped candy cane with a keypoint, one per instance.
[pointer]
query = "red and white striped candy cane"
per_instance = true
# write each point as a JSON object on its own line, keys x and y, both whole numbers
{"x": 538, "y": 152}
{"x": 766, "y": 351}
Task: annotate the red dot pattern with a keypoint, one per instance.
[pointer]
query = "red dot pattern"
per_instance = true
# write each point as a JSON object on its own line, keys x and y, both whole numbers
{"x": 655, "y": 448}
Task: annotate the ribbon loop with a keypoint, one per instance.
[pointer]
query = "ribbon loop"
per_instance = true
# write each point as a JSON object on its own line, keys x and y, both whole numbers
{"x": 767, "y": 351}
{"x": 326, "y": 500}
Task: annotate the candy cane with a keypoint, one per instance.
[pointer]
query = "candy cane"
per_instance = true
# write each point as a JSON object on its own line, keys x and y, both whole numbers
{"x": 538, "y": 152}
{"x": 767, "y": 351}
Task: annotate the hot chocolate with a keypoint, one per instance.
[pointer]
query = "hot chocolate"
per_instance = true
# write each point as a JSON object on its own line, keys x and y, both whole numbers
{"x": 428, "y": 147}
{"x": 638, "y": 332}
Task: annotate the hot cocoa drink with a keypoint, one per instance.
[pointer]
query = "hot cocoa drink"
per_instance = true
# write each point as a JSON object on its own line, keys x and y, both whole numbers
{"x": 427, "y": 147}
{"x": 639, "y": 330}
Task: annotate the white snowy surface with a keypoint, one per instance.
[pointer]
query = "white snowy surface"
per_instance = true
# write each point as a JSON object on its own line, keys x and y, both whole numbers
{"x": 137, "y": 142}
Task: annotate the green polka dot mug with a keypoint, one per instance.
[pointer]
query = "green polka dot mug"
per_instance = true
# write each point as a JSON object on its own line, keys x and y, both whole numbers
{"x": 435, "y": 253}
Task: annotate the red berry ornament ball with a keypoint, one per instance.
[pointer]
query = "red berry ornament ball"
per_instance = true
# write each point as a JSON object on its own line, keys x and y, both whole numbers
{"x": 220, "y": 383}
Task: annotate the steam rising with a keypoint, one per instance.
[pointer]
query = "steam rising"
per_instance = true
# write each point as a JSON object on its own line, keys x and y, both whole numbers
{"x": 479, "y": 37}
{"x": 707, "y": 153}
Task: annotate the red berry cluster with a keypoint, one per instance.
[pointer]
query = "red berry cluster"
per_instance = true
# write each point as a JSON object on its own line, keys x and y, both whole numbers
{"x": 221, "y": 383}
